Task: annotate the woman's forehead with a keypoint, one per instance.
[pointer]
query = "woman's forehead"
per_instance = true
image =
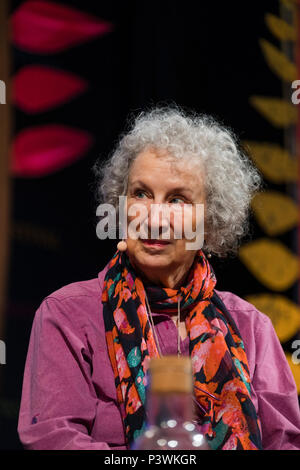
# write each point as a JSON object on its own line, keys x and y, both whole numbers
{"x": 160, "y": 174}
{"x": 153, "y": 164}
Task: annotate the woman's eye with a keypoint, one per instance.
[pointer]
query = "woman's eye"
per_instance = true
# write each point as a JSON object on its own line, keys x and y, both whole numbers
{"x": 177, "y": 200}
{"x": 140, "y": 194}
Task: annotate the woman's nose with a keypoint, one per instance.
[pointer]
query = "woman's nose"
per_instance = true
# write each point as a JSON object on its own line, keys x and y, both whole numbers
{"x": 159, "y": 220}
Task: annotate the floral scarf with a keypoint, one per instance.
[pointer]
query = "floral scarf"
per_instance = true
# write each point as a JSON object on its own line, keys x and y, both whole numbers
{"x": 219, "y": 362}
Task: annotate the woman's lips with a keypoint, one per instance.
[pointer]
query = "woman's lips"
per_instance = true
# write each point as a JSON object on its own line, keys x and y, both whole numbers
{"x": 156, "y": 243}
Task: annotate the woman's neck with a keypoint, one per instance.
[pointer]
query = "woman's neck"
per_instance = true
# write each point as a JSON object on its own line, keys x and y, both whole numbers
{"x": 169, "y": 278}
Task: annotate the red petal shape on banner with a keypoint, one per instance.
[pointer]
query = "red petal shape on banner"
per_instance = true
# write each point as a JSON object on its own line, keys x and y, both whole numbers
{"x": 37, "y": 89}
{"x": 40, "y": 151}
{"x": 44, "y": 27}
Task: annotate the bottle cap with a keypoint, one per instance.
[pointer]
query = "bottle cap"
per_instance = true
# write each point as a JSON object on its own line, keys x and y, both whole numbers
{"x": 171, "y": 374}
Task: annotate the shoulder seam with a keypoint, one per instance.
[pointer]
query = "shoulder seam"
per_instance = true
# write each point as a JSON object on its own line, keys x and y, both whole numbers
{"x": 51, "y": 296}
{"x": 263, "y": 315}
{"x": 244, "y": 309}
{"x": 80, "y": 322}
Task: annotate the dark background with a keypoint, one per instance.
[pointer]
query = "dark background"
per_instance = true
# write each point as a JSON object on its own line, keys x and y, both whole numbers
{"x": 204, "y": 56}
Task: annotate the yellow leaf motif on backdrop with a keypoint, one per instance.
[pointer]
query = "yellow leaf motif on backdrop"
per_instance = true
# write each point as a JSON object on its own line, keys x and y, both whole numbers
{"x": 275, "y": 212}
{"x": 280, "y": 28}
{"x": 295, "y": 368}
{"x": 289, "y": 3}
{"x": 276, "y": 163}
{"x": 284, "y": 314}
{"x": 279, "y": 112}
{"x": 271, "y": 263}
{"x": 278, "y": 62}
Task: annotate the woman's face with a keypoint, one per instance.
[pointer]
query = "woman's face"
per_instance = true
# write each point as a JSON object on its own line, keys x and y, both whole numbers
{"x": 155, "y": 178}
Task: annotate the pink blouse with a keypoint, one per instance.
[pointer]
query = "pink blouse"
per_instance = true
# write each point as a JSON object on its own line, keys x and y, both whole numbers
{"x": 69, "y": 398}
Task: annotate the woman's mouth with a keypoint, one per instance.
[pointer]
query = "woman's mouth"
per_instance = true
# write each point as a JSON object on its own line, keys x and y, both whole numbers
{"x": 155, "y": 243}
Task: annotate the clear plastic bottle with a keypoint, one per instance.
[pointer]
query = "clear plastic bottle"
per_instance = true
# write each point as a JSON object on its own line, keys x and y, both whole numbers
{"x": 170, "y": 408}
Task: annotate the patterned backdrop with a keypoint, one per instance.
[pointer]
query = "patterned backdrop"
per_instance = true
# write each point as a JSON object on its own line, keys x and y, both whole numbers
{"x": 74, "y": 70}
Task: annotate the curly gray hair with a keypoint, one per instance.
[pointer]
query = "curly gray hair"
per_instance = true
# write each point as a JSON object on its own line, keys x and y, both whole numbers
{"x": 230, "y": 180}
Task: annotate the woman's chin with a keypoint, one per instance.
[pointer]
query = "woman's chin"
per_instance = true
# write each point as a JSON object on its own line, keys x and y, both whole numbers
{"x": 155, "y": 260}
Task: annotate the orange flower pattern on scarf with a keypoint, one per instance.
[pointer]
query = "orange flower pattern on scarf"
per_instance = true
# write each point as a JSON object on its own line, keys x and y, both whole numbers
{"x": 219, "y": 361}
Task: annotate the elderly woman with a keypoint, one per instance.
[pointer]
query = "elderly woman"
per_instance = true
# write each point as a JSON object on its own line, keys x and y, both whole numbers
{"x": 86, "y": 368}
